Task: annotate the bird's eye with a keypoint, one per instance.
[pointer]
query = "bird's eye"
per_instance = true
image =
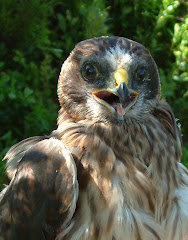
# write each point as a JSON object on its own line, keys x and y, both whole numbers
{"x": 89, "y": 72}
{"x": 141, "y": 73}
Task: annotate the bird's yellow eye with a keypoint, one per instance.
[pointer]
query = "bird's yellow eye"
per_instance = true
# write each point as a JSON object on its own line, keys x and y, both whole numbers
{"x": 89, "y": 72}
{"x": 141, "y": 73}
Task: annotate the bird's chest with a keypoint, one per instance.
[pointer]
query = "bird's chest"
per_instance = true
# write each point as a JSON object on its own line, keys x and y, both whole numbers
{"x": 99, "y": 212}
{"x": 107, "y": 206}
{"x": 115, "y": 193}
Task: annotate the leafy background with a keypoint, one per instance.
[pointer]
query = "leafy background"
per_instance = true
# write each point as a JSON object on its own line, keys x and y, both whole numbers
{"x": 37, "y": 36}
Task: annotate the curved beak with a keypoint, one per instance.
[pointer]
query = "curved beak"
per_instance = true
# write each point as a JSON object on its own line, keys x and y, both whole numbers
{"x": 119, "y": 99}
{"x": 123, "y": 93}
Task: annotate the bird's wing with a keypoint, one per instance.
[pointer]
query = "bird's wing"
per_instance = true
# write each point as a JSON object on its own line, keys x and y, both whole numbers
{"x": 177, "y": 217}
{"x": 42, "y": 194}
{"x": 16, "y": 153}
{"x": 164, "y": 114}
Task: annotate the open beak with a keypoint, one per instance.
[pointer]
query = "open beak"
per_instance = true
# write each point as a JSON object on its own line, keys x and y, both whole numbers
{"x": 120, "y": 99}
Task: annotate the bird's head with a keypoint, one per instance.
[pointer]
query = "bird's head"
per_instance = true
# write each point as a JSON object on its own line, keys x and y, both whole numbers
{"x": 108, "y": 79}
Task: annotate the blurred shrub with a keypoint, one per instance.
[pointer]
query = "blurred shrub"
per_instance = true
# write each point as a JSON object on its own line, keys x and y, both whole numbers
{"x": 36, "y": 37}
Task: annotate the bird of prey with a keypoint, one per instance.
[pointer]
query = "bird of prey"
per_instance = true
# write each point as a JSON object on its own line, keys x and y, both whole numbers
{"x": 111, "y": 170}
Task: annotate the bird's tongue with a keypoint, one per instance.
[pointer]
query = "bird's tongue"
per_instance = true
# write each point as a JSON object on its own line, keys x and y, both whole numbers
{"x": 120, "y": 110}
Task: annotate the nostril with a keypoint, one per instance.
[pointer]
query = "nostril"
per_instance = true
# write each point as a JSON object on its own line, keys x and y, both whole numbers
{"x": 123, "y": 85}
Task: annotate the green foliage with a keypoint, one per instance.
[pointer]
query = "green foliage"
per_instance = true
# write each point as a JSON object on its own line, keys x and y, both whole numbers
{"x": 37, "y": 36}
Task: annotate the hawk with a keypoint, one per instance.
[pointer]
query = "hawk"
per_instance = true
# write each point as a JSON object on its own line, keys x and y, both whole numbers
{"x": 111, "y": 170}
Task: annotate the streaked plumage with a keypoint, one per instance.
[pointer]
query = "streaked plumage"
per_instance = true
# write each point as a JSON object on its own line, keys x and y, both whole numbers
{"x": 111, "y": 170}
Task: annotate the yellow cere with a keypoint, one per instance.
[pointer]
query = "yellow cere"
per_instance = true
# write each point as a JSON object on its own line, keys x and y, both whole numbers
{"x": 120, "y": 76}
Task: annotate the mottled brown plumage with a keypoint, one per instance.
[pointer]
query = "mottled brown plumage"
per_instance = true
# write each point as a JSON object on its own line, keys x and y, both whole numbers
{"x": 111, "y": 170}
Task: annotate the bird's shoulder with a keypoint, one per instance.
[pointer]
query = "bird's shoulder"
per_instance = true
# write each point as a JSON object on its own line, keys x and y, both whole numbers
{"x": 163, "y": 112}
{"x": 35, "y": 151}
